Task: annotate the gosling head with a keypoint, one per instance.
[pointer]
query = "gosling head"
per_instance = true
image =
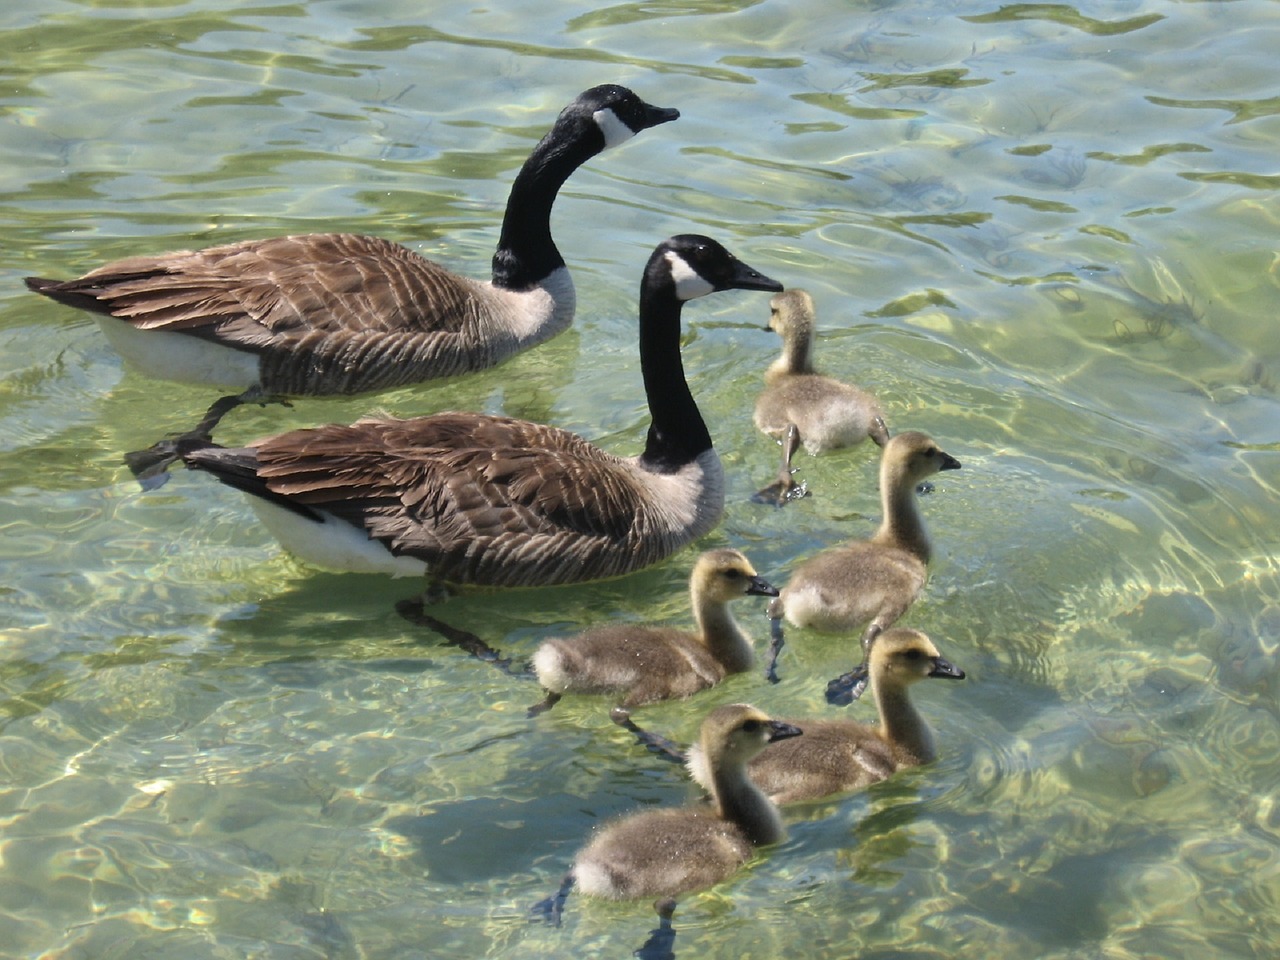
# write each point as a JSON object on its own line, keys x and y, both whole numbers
{"x": 724, "y": 575}
{"x": 791, "y": 310}
{"x": 901, "y": 656}
{"x": 914, "y": 456}
{"x": 733, "y": 734}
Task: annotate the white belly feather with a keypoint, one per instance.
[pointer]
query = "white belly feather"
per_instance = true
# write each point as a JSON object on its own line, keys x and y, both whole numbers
{"x": 181, "y": 357}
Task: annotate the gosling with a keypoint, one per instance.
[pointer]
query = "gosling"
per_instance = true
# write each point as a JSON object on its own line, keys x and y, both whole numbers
{"x": 871, "y": 582}
{"x": 836, "y": 756}
{"x": 645, "y": 663}
{"x": 664, "y": 853}
{"x": 799, "y": 405}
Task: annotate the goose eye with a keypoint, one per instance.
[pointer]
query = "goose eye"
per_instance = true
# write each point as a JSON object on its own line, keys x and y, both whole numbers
{"x": 751, "y": 726}
{"x": 913, "y": 654}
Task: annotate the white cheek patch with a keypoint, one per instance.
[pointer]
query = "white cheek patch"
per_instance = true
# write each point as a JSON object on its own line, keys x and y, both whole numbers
{"x": 689, "y": 283}
{"x": 614, "y": 130}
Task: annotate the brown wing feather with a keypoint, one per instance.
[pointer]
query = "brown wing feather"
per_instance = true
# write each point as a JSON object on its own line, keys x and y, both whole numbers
{"x": 249, "y": 293}
{"x": 464, "y": 492}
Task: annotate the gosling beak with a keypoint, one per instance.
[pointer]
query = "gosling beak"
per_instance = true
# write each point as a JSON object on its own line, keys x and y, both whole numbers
{"x": 949, "y": 462}
{"x": 760, "y": 587}
{"x": 946, "y": 669}
{"x": 781, "y": 731}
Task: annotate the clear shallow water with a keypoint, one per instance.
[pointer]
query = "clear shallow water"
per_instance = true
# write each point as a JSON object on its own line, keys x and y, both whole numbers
{"x": 1044, "y": 233}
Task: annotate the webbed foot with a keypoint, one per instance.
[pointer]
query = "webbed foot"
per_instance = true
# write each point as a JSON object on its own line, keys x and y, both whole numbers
{"x": 847, "y": 687}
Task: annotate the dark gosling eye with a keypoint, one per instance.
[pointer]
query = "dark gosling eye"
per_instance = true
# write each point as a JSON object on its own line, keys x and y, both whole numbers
{"x": 751, "y": 726}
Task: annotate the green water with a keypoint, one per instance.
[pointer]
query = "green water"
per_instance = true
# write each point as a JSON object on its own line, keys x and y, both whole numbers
{"x": 1044, "y": 233}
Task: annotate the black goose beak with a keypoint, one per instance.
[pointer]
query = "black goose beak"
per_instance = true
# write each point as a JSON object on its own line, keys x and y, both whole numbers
{"x": 949, "y": 462}
{"x": 748, "y": 278}
{"x": 656, "y": 115}
{"x": 946, "y": 669}
{"x": 760, "y": 587}
{"x": 781, "y": 731}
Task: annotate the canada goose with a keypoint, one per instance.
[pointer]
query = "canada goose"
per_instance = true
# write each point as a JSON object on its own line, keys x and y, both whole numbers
{"x": 835, "y": 756}
{"x": 663, "y": 853}
{"x": 341, "y": 314}
{"x": 468, "y": 498}
{"x": 646, "y": 663}
{"x": 867, "y": 582}
{"x": 799, "y": 405}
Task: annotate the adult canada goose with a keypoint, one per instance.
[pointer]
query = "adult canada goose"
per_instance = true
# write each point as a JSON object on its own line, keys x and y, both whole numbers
{"x": 664, "y": 853}
{"x": 644, "y": 663}
{"x": 799, "y": 405}
{"x": 871, "y": 582}
{"x": 468, "y": 498}
{"x": 340, "y": 313}
{"x": 835, "y": 756}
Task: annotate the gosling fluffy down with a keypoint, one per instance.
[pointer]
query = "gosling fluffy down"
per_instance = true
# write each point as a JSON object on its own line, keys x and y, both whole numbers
{"x": 836, "y": 756}
{"x": 872, "y": 581}
{"x": 868, "y": 584}
{"x": 644, "y": 663}
{"x": 663, "y": 853}
{"x": 801, "y": 406}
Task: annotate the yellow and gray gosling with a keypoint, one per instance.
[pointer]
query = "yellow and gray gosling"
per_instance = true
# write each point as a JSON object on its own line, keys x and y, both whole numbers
{"x": 643, "y": 663}
{"x": 339, "y": 313}
{"x": 802, "y": 406}
{"x": 867, "y": 583}
{"x": 835, "y": 756}
{"x": 664, "y": 853}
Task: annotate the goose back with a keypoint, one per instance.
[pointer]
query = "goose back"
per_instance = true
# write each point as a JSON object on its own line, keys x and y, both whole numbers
{"x": 471, "y": 498}
{"x": 342, "y": 313}
{"x": 480, "y": 499}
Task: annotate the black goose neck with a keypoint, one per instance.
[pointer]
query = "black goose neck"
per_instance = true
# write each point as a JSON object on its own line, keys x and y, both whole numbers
{"x": 526, "y": 254}
{"x": 677, "y": 433}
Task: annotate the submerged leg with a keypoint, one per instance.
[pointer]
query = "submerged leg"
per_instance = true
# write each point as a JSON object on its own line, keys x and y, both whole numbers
{"x": 551, "y": 909}
{"x": 776, "y": 640}
{"x": 653, "y": 742}
{"x": 848, "y": 687}
{"x": 661, "y": 944}
{"x": 879, "y": 432}
{"x": 785, "y": 489}
{"x": 412, "y": 610}
{"x": 151, "y": 466}
{"x": 543, "y": 705}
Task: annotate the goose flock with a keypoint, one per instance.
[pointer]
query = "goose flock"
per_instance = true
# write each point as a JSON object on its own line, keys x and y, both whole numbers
{"x": 464, "y": 498}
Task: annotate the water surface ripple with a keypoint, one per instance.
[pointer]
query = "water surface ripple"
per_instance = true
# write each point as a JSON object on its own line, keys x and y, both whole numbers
{"x": 1044, "y": 233}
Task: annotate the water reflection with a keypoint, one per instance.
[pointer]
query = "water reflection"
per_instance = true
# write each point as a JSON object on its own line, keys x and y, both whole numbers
{"x": 1043, "y": 234}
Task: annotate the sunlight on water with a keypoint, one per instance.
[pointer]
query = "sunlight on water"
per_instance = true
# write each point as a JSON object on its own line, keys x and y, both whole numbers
{"x": 1043, "y": 233}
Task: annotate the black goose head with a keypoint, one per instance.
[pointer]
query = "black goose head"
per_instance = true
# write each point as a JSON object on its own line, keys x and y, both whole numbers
{"x": 696, "y": 266}
{"x": 610, "y": 114}
{"x": 601, "y": 117}
{"x": 680, "y": 268}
